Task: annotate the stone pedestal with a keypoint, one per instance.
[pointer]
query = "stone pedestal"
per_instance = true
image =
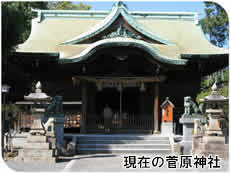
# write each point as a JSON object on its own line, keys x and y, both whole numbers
{"x": 188, "y": 126}
{"x": 167, "y": 128}
{"x": 37, "y": 149}
{"x": 215, "y": 145}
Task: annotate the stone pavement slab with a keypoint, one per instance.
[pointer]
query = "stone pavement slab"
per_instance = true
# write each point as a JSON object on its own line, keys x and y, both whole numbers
{"x": 100, "y": 163}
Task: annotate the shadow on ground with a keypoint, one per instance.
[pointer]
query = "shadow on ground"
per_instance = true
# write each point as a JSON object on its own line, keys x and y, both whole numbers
{"x": 82, "y": 156}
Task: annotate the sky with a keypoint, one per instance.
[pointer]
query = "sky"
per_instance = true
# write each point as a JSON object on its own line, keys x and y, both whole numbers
{"x": 177, "y": 6}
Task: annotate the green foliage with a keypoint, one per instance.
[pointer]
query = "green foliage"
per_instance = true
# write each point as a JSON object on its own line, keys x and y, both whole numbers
{"x": 11, "y": 109}
{"x": 66, "y": 5}
{"x": 16, "y": 20}
{"x": 16, "y": 23}
{"x": 226, "y": 75}
{"x": 205, "y": 84}
{"x": 222, "y": 89}
{"x": 202, "y": 94}
{"x": 215, "y": 24}
{"x": 12, "y": 28}
{"x": 33, "y": 86}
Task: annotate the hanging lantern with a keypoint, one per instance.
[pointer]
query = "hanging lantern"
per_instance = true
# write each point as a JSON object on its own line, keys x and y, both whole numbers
{"x": 99, "y": 87}
{"x": 83, "y": 69}
{"x": 119, "y": 87}
{"x": 142, "y": 88}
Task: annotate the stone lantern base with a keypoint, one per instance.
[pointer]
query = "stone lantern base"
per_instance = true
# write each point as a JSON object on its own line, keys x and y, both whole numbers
{"x": 206, "y": 145}
{"x": 37, "y": 149}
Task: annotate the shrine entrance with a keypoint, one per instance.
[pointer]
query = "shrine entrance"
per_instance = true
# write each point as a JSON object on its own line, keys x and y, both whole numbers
{"x": 128, "y": 82}
{"x": 131, "y": 99}
{"x": 108, "y": 96}
{"x": 124, "y": 104}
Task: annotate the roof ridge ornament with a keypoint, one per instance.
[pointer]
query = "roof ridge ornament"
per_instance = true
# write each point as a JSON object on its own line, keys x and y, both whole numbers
{"x": 122, "y": 31}
{"x": 119, "y": 4}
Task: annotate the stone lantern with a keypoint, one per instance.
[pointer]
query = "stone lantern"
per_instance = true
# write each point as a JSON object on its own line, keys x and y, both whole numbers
{"x": 211, "y": 140}
{"x": 214, "y": 113}
{"x": 37, "y": 148}
{"x": 38, "y": 112}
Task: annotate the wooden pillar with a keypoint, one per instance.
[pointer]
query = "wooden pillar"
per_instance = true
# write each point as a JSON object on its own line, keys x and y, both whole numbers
{"x": 15, "y": 125}
{"x": 156, "y": 108}
{"x": 83, "y": 107}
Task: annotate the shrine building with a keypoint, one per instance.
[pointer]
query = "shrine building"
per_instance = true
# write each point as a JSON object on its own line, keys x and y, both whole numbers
{"x": 130, "y": 60}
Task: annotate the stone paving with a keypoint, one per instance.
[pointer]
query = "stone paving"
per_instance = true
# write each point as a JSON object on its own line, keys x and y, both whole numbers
{"x": 93, "y": 163}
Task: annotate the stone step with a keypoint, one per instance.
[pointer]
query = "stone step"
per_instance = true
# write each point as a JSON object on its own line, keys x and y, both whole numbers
{"x": 108, "y": 141}
{"x": 122, "y": 143}
{"x": 40, "y": 146}
{"x": 125, "y": 146}
{"x": 37, "y": 153}
{"x": 124, "y": 151}
{"x": 45, "y": 160}
{"x": 120, "y": 137}
{"x": 36, "y": 139}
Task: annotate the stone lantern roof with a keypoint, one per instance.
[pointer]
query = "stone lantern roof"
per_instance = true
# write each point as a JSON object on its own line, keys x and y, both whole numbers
{"x": 38, "y": 95}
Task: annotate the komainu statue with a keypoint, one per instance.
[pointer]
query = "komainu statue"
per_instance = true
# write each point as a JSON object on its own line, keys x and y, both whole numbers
{"x": 190, "y": 106}
{"x": 55, "y": 108}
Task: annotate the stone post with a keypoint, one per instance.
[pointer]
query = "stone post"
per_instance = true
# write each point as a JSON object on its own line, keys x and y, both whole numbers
{"x": 59, "y": 126}
{"x": 187, "y": 120}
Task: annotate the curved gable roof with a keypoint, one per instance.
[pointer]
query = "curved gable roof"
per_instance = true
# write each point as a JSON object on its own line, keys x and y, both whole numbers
{"x": 118, "y": 10}
{"x": 52, "y": 28}
{"x": 125, "y": 42}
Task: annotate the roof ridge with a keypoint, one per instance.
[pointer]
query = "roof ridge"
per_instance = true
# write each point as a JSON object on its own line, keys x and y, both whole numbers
{"x": 107, "y": 11}
{"x": 192, "y": 16}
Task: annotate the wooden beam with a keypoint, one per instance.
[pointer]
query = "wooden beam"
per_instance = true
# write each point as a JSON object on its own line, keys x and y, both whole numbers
{"x": 124, "y": 80}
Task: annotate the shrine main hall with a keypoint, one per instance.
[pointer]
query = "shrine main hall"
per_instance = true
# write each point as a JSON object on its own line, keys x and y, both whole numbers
{"x": 129, "y": 60}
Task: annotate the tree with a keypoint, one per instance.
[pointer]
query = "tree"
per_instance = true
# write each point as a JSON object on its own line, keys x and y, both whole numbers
{"x": 215, "y": 24}
{"x": 66, "y": 5}
{"x": 16, "y": 23}
{"x": 12, "y": 27}
{"x": 16, "y": 26}
{"x": 16, "y": 20}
